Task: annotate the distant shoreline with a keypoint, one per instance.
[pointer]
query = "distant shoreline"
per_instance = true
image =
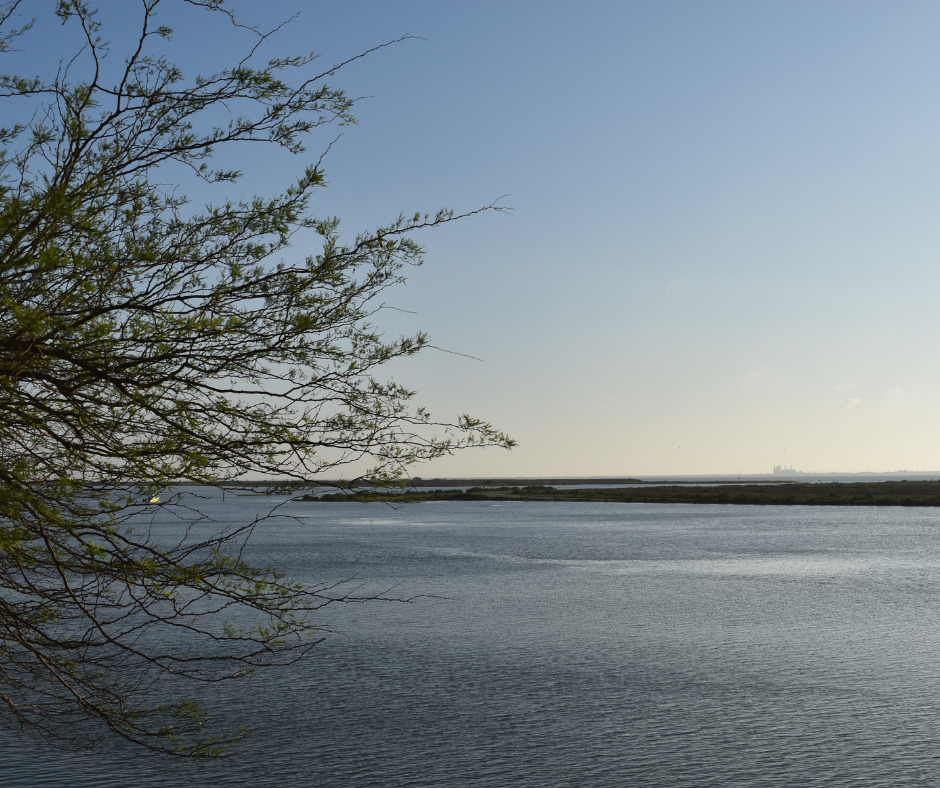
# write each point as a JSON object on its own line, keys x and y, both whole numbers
{"x": 602, "y": 481}
{"x": 889, "y": 493}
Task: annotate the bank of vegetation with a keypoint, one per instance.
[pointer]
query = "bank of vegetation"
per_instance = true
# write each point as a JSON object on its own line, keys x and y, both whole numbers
{"x": 890, "y": 493}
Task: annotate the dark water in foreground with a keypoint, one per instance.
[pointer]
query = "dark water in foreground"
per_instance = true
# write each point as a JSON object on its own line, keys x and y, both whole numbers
{"x": 586, "y": 645}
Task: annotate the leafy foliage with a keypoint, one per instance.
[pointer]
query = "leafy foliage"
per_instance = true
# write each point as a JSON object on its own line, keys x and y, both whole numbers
{"x": 144, "y": 342}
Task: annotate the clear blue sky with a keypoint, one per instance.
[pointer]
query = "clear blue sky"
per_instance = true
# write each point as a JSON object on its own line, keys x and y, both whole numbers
{"x": 726, "y": 231}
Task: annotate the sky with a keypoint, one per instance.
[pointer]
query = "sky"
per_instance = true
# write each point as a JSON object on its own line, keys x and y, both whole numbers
{"x": 725, "y": 232}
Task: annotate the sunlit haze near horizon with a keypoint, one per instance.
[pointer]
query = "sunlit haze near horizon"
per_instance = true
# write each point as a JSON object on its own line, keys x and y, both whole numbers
{"x": 722, "y": 254}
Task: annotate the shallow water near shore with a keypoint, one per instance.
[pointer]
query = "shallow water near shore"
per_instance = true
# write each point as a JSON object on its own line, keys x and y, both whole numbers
{"x": 573, "y": 644}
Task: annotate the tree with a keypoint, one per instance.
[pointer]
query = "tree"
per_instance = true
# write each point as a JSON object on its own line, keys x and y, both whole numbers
{"x": 145, "y": 342}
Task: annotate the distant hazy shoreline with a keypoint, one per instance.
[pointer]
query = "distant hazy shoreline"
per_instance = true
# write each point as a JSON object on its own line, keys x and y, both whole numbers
{"x": 602, "y": 481}
{"x": 887, "y": 493}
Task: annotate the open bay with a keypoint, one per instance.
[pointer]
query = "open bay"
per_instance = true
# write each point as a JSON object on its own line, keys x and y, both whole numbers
{"x": 583, "y": 644}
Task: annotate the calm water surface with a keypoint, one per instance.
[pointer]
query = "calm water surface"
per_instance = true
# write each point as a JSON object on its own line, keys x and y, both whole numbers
{"x": 584, "y": 645}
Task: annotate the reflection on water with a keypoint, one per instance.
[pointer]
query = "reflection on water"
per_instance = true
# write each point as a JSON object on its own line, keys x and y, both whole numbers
{"x": 585, "y": 645}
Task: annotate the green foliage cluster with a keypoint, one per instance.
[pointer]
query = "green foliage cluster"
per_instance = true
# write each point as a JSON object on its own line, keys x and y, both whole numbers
{"x": 145, "y": 341}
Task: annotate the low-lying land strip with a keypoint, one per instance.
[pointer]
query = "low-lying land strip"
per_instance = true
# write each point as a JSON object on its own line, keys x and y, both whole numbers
{"x": 279, "y": 485}
{"x": 893, "y": 493}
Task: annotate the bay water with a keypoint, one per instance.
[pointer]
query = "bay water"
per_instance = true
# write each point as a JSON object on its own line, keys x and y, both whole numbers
{"x": 580, "y": 644}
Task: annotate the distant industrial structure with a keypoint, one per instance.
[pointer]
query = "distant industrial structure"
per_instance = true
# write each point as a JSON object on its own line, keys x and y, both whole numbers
{"x": 782, "y": 470}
